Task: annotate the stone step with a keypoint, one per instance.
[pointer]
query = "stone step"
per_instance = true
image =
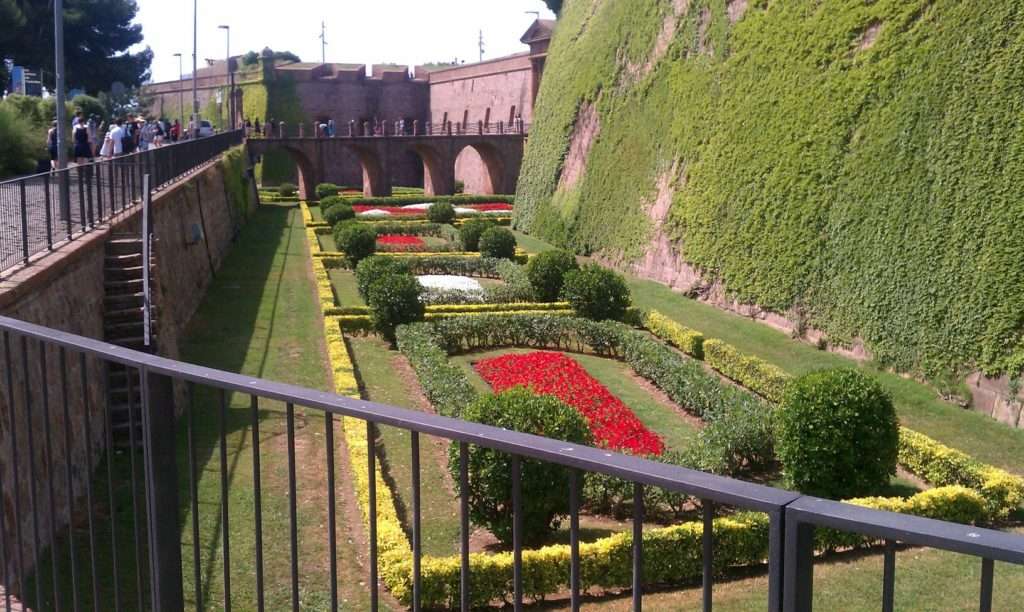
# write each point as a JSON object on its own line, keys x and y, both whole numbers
{"x": 125, "y": 300}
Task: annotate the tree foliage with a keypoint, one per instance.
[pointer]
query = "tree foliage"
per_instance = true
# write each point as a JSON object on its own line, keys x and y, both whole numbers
{"x": 97, "y": 36}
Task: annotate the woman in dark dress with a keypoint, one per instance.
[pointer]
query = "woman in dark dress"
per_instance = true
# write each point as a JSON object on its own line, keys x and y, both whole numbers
{"x": 51, "y": 144}
{"x": 80, "y": 136}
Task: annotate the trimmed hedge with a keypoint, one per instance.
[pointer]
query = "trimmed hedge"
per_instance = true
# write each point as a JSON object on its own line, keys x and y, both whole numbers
{"x": 752, "y": 372}
{"x": 685, "y": 339}
{"x": 403, "y": 200}
{"x": 497, "y": 242}
{"x": 596, "y": 292}
{"x": 324, "y": 190}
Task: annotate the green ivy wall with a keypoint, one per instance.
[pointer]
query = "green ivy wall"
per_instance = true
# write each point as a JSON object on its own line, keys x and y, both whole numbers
{"x": 861, "y": 161}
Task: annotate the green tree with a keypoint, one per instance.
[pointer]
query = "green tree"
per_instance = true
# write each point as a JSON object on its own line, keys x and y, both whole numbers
{"x": 19, "y": 145}
{"x": 97, "y": 36}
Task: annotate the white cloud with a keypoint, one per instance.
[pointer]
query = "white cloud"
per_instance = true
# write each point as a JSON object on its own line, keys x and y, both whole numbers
{"x": 400, "y": 31}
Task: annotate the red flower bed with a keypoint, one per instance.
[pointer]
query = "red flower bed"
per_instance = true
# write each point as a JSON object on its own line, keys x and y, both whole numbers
{"x": 488, "y": 207}
{"x": 400, "y": 241}
{"x": 613, "y": 424}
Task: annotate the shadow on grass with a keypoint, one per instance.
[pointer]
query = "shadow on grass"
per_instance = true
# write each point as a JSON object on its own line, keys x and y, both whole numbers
{"x": 220, "y": 335}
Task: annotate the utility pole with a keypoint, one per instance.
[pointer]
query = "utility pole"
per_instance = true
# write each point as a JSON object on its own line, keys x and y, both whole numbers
{"x": 323, "y": 43}
{"x": 231, "y": 77}
{"x": 481, "y": 45}
{"x": 58, "y": 35}
{"x": 195, "y": 93}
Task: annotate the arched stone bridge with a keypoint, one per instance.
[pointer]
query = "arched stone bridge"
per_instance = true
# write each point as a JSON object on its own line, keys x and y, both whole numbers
{"x": 382, "y": 157}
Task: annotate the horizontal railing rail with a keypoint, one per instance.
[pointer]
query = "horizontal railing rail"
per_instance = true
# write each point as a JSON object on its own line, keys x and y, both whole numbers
{"x": 156, "y": 563}
{"x": 42, "y": 211}
{"x": 388, "y": 129}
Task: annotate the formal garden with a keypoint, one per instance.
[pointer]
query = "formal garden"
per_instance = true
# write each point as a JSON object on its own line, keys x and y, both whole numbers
{"x": 475, "y": 322}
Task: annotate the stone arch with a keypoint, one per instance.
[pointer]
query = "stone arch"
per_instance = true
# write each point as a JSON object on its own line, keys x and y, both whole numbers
{"x": 438, "y": 170}
{"x": 481, "y": 166}
{"x": 308, "y": 172}
{"x": 375, "y": 180}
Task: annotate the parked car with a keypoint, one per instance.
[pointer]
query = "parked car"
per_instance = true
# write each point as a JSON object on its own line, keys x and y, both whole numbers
{"x": 205, "y": 129}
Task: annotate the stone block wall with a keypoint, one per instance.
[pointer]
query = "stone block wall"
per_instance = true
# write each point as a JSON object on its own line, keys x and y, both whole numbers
{"x": 65, "y": 291}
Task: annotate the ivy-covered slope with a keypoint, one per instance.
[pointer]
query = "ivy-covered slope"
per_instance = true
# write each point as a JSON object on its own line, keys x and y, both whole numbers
{"x": 861, "y": 162}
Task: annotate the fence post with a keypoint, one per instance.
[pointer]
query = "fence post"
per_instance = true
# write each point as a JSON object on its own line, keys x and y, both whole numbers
{"x": 162, "y": 491}
{"x": 798, "y": 569}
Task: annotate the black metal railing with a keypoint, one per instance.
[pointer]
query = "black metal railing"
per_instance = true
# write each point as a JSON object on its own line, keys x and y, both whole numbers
{"x": 383, "y": 129}
{"x": 48, "y": 369}
{"x": 42, "y": 211}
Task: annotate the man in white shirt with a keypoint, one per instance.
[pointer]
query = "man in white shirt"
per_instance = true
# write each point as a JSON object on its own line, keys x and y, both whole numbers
{"x": 115, "y": 136}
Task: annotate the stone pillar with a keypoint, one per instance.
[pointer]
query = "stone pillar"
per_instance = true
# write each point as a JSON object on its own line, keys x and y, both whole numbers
{"x": 351, "y": 128}
{"x": 281, "y": 131}
{"x": 415, "y": 127}
{"x": 501, "y": 127}
{"x": 480, "y": 127}
{"x": 302, "y": 130}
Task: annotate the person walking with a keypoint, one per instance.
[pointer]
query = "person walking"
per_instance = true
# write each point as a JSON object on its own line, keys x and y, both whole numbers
{"x": 92, "y": 126}
{"x": 113, "y": 144}
{"x": 80, "y": 138}
{"x": 51, "y": 145}
{"x": 256, "y": 127}
{"x": 175, "y": 131}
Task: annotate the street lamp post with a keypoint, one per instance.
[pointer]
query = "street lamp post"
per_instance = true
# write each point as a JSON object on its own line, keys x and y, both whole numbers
{"x": 231, "y": 76}
{"x": 195, "y": 93}
{"x": 181, "y": 92}
{"x": 58, "y": 35}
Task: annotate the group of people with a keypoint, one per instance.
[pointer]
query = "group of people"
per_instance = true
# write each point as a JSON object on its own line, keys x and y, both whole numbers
{"x": 92, "y": 138}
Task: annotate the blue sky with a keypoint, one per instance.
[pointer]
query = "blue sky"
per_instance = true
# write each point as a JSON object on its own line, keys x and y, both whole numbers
{"x": 358, "y": 31}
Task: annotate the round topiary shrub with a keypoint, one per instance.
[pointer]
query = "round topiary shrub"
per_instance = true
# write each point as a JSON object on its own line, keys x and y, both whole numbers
{"x": 596, "y": 293}
{"x": 441, "y": 212}
{"x": 287, "y": 190}
{"x": 544, "y": 485}
{"x": 497, "y": 242}
{"x": 338, "y": 213}
{"x": 375, "y": 267}
{"x": 394, "y": 299}
{"x": 330, "y": 201}
{"x": 836, "y": 434}
{"x": 358, "y": 241}
{"x": 546, "y": 272}
{"x": 471, "y": 231}
{"x": 324, "y": 190}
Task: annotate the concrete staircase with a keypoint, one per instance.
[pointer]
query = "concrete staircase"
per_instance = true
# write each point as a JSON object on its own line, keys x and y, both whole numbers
{"x": 124, "y": 325}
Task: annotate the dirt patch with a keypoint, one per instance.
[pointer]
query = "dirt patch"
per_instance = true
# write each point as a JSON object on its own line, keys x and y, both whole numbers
{"x": 869, "y": 36}
{"x": 588, "y": 125}
{"x": 736, "y": 9}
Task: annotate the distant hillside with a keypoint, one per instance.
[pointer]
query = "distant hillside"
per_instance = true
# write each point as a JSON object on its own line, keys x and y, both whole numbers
{"x": 856, "y": 166}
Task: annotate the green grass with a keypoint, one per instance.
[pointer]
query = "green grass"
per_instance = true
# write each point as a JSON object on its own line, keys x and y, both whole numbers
{"x": 260, "y": 318}
{"x": 345, "y": 291}
{"x": 439, "y": 516}
{"x": 918, "y": 405}
{"x": 616, "y": 377}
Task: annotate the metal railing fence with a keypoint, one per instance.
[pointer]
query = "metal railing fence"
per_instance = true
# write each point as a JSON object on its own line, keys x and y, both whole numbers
{"x": 34, "y": 389}
{"x": 42, "y": 211}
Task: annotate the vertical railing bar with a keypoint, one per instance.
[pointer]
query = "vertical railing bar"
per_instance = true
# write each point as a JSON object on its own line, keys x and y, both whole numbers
{"x": 193, "y": 486}
{"x": 332, "y": 538}
{"x": 417, "y": 549}
{"x": 62, "y": 365}
{"x": 3, "y": 539}
{"x": 574, "y": 540}
{"x": 224, "y": 529}
{"x": 257, "y": 499}
{"x": 108, "y": 434}
{"x": 24, "y": 226}
{"x": 19, "y": 554}
{"x": 32, "y": 493}
{"x": 133, "y": 445}
{"x": 49, "y": 213}
{"x": 987, "y": 575}
{"x": 464, "y": 526}
{"x": 65, "y": 203}
{"x": 371, "y": 467}
{"x": 50, "y": 470}
{"x": 148, "y": 478}
{"x": 708, "y": 552}
{"x": 517, "y": 533}
{"x": 88, "y": 480}
{"x": 293, "y": 529}
{"x": 889, "y": 576}
{"x": 638, "y": 546}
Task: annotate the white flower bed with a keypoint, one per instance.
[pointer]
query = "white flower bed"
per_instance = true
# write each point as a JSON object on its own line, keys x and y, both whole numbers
{"x": 375, "y": 212}
{"x": 423, "y": 206}
{"x": 446, "y": 282}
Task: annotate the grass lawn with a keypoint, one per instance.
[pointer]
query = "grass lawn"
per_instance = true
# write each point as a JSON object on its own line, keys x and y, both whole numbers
{"x": 345, "y": 290}
{"x": 918, "y": 405}
{"x": 617, "y": 377}
{"x": 439, "y": 517}
{"x": 261, "y": 318}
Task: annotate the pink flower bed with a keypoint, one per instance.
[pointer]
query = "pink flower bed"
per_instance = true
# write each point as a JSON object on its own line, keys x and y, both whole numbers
{"x": 400, "y": 241}
{"x": 613, "y": 424}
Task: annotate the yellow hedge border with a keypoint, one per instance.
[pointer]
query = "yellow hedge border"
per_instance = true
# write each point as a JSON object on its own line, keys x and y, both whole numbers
{"x": 740, "y": 540}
